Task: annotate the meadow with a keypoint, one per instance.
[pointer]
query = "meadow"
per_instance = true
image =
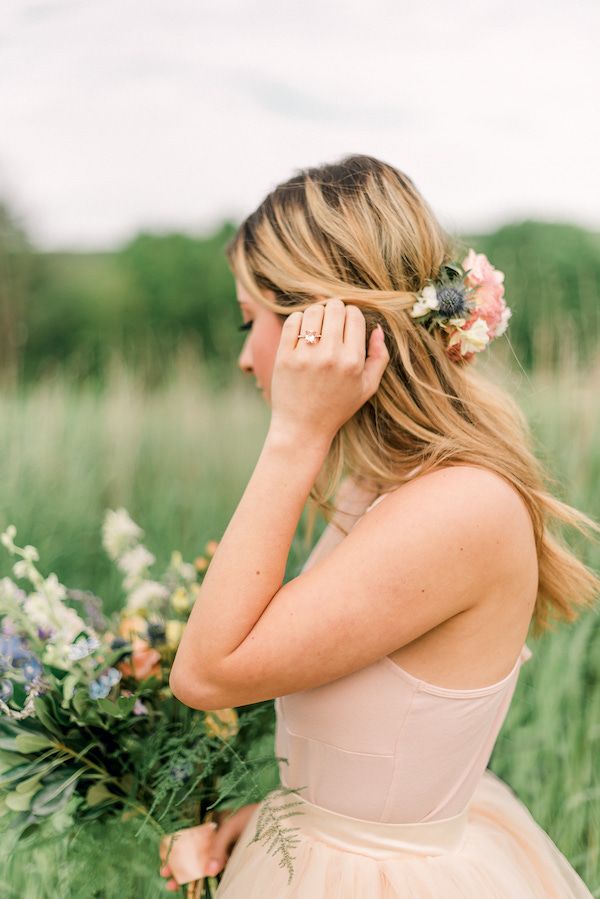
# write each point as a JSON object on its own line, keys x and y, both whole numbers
{"x": 178, "y": 456}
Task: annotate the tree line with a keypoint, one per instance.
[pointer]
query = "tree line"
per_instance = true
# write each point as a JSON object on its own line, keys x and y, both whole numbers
{"x": 158, "y": 292}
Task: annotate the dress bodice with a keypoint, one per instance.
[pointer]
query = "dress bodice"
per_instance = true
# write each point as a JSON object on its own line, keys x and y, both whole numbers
{"x": 383, "y": 745}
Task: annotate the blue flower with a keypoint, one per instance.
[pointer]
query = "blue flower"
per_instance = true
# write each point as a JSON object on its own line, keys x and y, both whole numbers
{"x": 98, "y": 690}
{"x": 82, "y": 647}
{"x": 32, "y": 669}
{"x": 12, "y": 649}
{"x": 101, "y": 687}
{"x": 452, "y": 301}
{"x": 113, "y": 676}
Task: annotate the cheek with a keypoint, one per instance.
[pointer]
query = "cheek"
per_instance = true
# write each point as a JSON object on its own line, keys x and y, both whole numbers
{"x": 265, "y": 348}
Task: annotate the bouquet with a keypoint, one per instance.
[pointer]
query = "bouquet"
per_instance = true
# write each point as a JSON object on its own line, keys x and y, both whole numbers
{"x": 89, "y": 728}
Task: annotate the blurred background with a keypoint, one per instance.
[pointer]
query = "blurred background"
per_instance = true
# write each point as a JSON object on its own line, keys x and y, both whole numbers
{"x": 134, "y": 138}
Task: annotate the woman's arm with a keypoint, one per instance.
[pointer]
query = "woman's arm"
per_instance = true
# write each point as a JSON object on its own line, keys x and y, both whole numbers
{"x": 249, "y": 565}
{"x": 353, "y": 498}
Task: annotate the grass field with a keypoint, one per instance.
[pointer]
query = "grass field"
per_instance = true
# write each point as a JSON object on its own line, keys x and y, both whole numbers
{"x": 178, "y": 458}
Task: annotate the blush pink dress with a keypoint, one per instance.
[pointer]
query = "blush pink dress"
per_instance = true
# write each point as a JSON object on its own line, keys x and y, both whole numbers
{"x": 395, "y": 800}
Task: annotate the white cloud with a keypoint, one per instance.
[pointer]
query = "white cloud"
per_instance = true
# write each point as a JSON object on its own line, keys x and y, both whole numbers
{"x": 119, "y": 114}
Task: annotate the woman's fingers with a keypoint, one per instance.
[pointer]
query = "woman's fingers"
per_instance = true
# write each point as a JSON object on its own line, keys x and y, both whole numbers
{"x": 333, "y": 321}
{"x": 355, "y": 331}
{"x": 312, "y": 320}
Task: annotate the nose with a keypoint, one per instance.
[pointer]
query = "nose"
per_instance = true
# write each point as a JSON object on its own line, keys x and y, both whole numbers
{"x": 245, "y": 359}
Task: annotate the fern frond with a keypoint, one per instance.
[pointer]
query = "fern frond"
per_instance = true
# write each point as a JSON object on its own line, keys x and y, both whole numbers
{"x": 272, "y": 833}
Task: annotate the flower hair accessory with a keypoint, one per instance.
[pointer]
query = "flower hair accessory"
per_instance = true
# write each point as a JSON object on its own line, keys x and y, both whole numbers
{"x": 467, "y": 302}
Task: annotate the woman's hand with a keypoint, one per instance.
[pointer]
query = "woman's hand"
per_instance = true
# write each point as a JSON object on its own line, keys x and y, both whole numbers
{"x": 202, "y": 850}
{"x": 317, "y": 387}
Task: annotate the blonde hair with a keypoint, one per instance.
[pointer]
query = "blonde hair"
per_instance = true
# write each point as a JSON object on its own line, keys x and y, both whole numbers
{"x": 359, "y": 229}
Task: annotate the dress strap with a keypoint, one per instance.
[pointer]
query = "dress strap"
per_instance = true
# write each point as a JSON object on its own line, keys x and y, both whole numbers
{"x": 526, "y": 653}
{"x": 374, "y": 503}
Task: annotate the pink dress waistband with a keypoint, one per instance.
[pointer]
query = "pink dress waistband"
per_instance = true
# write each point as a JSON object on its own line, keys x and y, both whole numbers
{"x": 378, "y": 839}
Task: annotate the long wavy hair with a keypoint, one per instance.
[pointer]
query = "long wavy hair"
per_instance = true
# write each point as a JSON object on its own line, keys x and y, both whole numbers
{"x": 359, "y": 229}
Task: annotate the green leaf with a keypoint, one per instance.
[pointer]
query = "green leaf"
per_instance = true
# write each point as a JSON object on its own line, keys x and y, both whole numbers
{"x": 97, "y": 794}
{"x": 109, "y": 708}
{"x": 19, "y": 802}
{"x": 31, "y": 742}
{"x": 119, "y": 709}
{"x": 69, "y": 684}
{"x": 15, "y": 774}
{"x": 43, "y": 711}
{"x": 9, "y": 760}
{"x": 56, "y": 795}
{"x": 26, "y": 786}
{"x": 80, "y": 701}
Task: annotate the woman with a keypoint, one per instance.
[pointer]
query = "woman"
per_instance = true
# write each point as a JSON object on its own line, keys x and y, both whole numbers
{"x": 394, "y": 655}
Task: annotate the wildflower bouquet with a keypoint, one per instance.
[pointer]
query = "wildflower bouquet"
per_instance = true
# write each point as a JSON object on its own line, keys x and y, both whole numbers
{"x": 89, "y": 728}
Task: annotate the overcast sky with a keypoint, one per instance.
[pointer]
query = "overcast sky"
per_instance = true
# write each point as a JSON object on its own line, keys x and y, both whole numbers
{"x": 122, "y": 114}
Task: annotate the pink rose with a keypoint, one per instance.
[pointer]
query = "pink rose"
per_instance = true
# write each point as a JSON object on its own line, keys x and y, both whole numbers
{"x": 489, "y": 295}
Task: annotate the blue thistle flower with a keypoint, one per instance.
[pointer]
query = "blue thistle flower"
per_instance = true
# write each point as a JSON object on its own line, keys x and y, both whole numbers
{"x": 453, "y": 301}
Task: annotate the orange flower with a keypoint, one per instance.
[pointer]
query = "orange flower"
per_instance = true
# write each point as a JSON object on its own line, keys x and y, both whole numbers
{"x": 144, "y": 660}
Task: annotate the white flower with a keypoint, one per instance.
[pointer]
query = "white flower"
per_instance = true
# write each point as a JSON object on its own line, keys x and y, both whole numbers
{"x": 10, "y": 591}
{"x": 31, "y": 554}
{"x": 24, "y": 569}
{"x": 427, "y": 300}
{"x": 8, "y": 537}
{"x": 475, "y": 339}
{"x": 146, "y": 595}
{"x": 134, "y": 564}
{"x": 506, "y": 314}
{"x": 54, "y": 590}
{"x": 119, "y": 532}
{"x": 50, "y": 614}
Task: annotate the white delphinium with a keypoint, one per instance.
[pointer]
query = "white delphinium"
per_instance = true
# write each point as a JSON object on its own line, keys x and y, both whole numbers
{"x": 8, "y": 538}
{"x": 147, "y": 595}
{"x": 119, "y": 533}
{"x": 134, "y": 563}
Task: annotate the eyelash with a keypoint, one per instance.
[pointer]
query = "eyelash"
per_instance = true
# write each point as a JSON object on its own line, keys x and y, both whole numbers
{"x": 245, "y": 327}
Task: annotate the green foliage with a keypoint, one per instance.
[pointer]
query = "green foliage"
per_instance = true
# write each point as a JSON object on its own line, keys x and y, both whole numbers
{"x": 178, "y": 457}
{"x": 160, "y": 293}
{"x": 552, "y": 281}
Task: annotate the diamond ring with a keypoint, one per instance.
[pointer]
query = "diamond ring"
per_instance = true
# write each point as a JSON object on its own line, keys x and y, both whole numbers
{"x": 309, "y": 336}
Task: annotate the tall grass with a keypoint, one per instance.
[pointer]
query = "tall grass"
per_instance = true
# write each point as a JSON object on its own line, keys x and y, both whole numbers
{"x": 178, "y": 458}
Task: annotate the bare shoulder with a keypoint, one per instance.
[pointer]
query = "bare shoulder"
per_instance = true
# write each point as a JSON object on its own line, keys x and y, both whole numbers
{"x": 486, "y": 506}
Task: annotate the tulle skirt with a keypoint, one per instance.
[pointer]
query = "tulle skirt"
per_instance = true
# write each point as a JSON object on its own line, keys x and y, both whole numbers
{"x": 493, "y": 850}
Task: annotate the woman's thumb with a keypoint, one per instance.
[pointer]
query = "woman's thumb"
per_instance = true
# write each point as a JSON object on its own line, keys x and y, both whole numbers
{"x": 219, "y": 848}
{"x": 377, "y": 355}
